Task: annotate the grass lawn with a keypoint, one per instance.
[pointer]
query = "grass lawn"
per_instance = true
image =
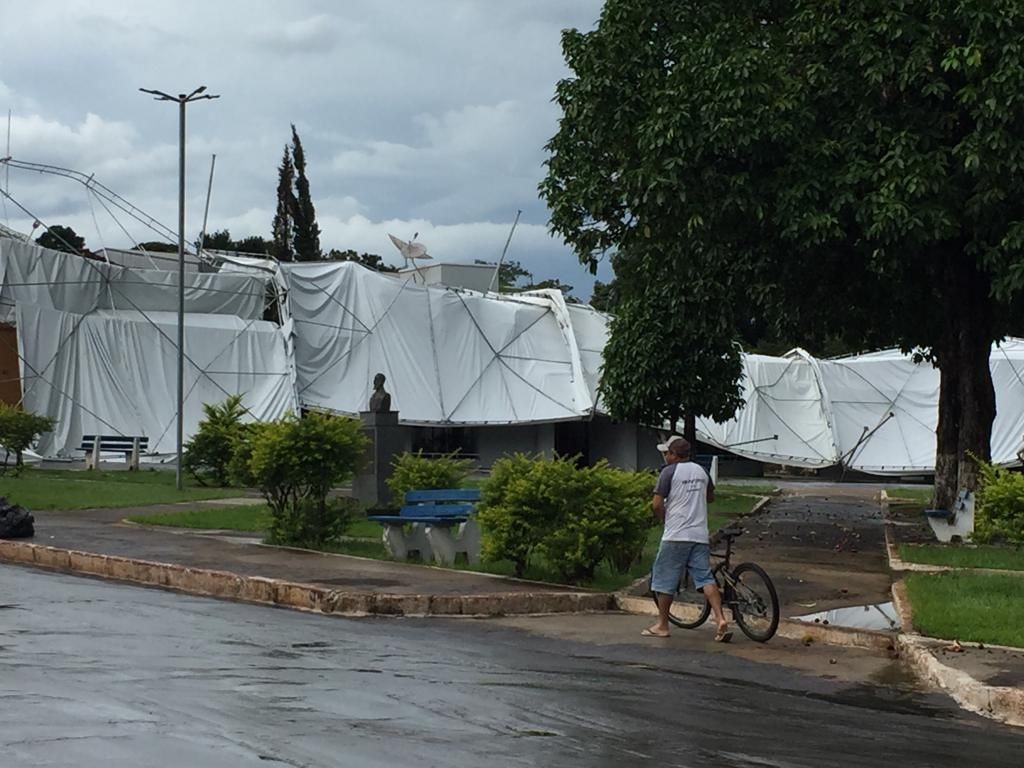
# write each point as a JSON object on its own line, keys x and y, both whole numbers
{"x": 1006, "y": 558}
{"x": 254, "y": 518}
{"x": 922, "y": 496}
{"x": 80, "y": 489}
{"x": 978, "y": 607}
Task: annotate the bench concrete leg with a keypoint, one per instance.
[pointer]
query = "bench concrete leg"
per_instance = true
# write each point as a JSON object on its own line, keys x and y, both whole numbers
{"x": 442, "y": 543}
{"x": 133, "y": 457}
{"x": 394, "y": 542}
{"x": 962, "y": 525}
{"x": 469, "y": 541}
{"x": 92, "y": 459}
{"x": 417, "y": 540}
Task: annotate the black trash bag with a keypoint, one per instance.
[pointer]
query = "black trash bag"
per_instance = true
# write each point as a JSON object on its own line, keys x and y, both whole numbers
{"x": 15, "y": 522}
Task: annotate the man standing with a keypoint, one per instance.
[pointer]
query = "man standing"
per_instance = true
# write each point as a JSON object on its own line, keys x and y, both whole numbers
{"x": 681, "y": 503}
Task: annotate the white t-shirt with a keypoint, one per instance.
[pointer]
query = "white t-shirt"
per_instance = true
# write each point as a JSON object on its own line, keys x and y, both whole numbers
{"x": 684, "y": 486}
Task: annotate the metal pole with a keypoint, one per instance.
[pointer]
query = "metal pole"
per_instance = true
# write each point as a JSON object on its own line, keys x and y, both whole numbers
{"x": 181, "y": 286}
{"x": 497, "y": 269}
{"x": 206, "y": 210}
{"x": 182, "y": 99}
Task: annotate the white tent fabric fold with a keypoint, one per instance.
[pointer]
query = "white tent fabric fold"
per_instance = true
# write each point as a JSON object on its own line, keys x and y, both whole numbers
{"x": 450, "y": 356}
{"x": 36, "y": 275}
{"x": 874, "y": 413}
{"x": 116, "y": 373}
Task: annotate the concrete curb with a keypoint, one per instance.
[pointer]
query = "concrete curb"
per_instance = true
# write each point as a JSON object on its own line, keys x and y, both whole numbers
{"x": 790, "y": 629}
{"x": 306, "y": 597}
{"x": 1001, "y": 703}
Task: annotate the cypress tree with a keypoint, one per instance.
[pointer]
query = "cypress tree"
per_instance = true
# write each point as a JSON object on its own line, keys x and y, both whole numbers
{"x": 306, "y": 237}
{"x": 284, "y": 225}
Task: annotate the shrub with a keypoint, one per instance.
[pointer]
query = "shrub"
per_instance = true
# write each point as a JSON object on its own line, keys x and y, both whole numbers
{"x": 574, "y": 518}
{"x": 999, "y": 511}
{"x": 209, "y": 453}
{"x": 608, "y": 519}
{"x": 19, "y": 431}
{"x": 295, "y": 463}
{"x": 414, "y": 472}
{"x": 520, "y": 503}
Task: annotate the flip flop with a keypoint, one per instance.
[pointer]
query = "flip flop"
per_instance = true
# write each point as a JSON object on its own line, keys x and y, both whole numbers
{"x": 723, "y": 637}
{"x": 648, "y": 633}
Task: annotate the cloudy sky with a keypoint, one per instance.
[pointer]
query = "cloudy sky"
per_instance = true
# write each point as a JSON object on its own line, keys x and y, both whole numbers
{"x": 416, "y": 116}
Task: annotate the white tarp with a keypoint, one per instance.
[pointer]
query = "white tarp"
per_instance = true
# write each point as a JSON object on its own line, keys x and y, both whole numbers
{"x": 115, "y": 373}
{"x": 450, "y": 356}
{"x": 875, "y": 413}
{"x": 35, "y": 275}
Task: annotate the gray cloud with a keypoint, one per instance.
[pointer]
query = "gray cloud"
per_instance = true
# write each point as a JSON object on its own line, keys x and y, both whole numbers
{"x": 426, "y": 117}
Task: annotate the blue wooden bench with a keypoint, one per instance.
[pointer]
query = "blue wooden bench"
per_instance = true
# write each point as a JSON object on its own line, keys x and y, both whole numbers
{"x": 131, "y": 447}
{"x": 438, "y": 524}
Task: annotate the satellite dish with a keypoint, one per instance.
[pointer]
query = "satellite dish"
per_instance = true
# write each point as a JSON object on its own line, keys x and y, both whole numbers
{"x": 411, "y": 251}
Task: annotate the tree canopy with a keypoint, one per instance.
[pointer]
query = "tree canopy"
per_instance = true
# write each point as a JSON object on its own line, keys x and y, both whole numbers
{"x": 371, "y": 260}
{"x": 63, "y": 238}
{"x": 851, "y": 168}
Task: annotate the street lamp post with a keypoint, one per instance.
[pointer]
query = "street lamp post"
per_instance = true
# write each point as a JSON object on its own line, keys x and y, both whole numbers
{"x": 182, "y": 99}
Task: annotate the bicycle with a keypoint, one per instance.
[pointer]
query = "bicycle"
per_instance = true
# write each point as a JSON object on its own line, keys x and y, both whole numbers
{"x": 746, "y": 591}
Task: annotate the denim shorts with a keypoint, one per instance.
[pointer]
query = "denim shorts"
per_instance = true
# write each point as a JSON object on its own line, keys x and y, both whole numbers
{"x": 676, "y": 558}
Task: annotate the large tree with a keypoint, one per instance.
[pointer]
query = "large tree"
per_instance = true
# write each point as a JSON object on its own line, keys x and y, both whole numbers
{"x": 306, "y": 235}
{"x": 854, "y": 167}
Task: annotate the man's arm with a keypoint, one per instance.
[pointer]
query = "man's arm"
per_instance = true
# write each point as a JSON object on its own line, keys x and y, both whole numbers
{"x": 661, "y": 492}
{"x": 658, "y": 503}
{"x": 711, "y": 492}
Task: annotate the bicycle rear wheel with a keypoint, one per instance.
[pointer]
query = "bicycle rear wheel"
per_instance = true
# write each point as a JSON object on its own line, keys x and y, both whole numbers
{"x": 755, "y": 604}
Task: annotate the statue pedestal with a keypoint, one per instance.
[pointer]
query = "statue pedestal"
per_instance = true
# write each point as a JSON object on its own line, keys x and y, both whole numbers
{"x": 387, "y": 439}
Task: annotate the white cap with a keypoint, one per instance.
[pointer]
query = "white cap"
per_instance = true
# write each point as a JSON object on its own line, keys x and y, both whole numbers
{"x": 662, "y": 447}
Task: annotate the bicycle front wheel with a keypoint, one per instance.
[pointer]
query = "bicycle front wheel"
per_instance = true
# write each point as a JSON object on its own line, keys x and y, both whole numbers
{"x": 755, "y": 604}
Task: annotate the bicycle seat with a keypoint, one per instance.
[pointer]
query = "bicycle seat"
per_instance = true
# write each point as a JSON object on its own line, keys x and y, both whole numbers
{"x": 731, "y": 533}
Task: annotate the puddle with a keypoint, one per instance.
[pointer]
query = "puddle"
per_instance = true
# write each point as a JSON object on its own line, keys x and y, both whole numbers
{"x": 877, "y": 616}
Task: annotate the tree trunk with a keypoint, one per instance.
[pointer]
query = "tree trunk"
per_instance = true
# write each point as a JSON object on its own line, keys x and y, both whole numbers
{"x": 690, "y": 431}
{"x": 967, "y": 403}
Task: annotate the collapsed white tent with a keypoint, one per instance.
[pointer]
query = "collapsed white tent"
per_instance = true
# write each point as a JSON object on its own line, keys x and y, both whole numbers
{"x": 874, "y": 413}
{"x": 450, "y": 356}
{"x": 98, "y": 349}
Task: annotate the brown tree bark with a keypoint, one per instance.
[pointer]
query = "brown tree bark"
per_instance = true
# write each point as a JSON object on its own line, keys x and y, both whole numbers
{"x": 967, "y": 406}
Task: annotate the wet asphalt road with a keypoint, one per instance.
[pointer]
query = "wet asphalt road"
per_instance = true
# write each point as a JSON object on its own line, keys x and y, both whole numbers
{"x": 100, "y": 674}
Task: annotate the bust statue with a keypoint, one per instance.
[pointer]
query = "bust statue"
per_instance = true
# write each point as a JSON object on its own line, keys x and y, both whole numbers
{"x": 380, "y": 400}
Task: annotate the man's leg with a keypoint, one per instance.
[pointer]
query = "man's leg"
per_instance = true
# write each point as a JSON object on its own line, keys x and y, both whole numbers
{"x": 665, "y": 575}
{"x": 699, "y": 565}
{"x": 714, "y": 598}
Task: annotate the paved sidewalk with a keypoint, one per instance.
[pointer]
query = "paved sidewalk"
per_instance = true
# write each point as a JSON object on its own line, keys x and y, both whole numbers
{"x": 102, "y": 532}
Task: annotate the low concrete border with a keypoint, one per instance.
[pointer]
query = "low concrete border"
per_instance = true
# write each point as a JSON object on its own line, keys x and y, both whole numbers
{"x": 307, "y": 597}
{"x": 1002, "y": 703}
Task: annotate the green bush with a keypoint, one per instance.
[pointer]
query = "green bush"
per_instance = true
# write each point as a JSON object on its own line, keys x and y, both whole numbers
{"x": 574, "y": 518}
{"x": 414, "y": 472}
{"x": 999, "y": 511}
{"x": 209, "y": 453}
{"x": 19, "y": 431}
{"x": 295, "y": 463}
{"x": 520, "y": 504}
